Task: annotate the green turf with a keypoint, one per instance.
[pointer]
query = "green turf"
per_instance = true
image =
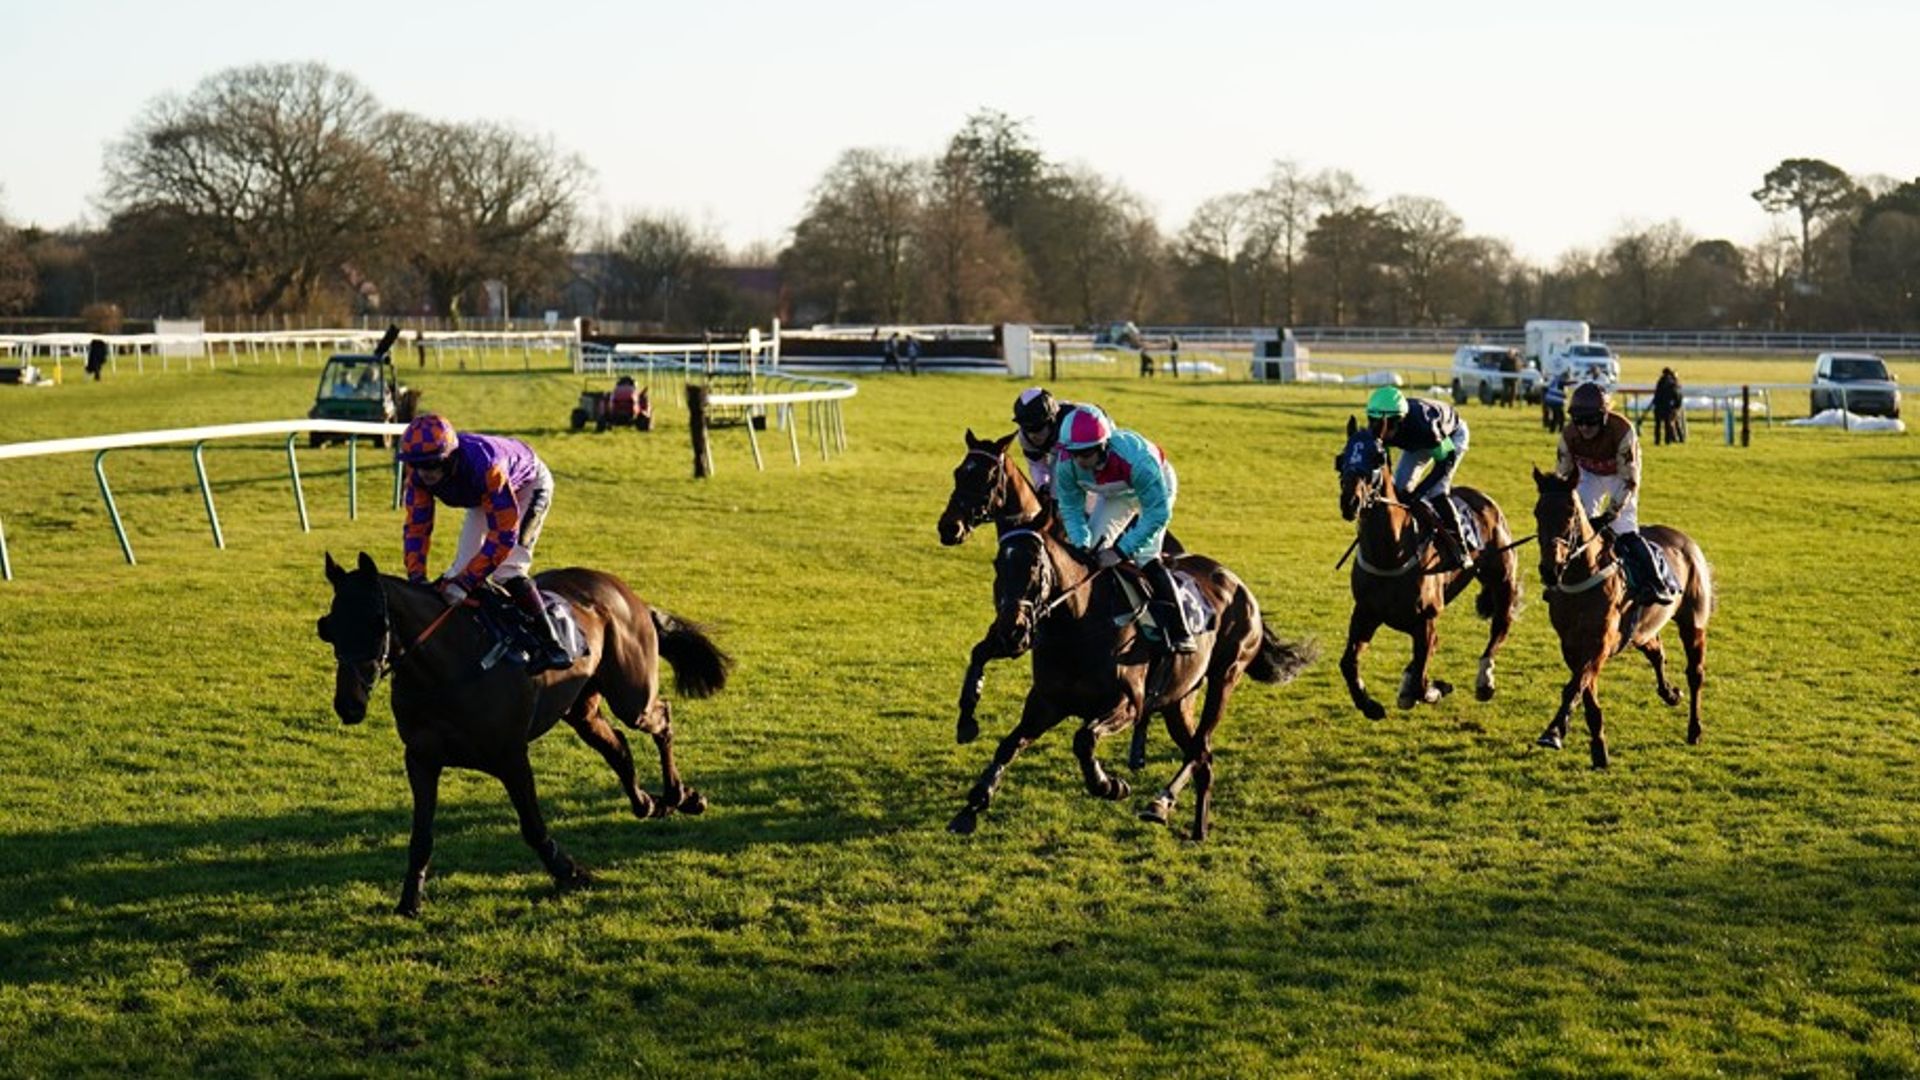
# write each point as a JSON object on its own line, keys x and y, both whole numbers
{"x": 197, "y": 862}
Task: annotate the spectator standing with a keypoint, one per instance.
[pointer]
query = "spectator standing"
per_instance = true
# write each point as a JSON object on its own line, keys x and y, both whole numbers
{"x": 96, "y": 357}
{"x": 913, "y": 355}
{"x": 1173, "y": 353}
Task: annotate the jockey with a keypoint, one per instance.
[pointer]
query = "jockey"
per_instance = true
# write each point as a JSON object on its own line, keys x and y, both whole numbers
{"x": 1425, "y": 431}
{"x": 506, "y": 491}
{"x": 1037, "y": 415}
{"x": 1600, "y": 451}
{"x": 1128, "y": 476}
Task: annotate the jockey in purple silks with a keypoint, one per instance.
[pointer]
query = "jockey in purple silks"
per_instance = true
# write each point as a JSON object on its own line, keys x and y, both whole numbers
{"x": 505, "y": 490}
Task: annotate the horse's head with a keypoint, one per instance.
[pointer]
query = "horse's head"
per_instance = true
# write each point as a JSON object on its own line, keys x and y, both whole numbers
{"x": 979, "y": 488}
{"x": 360, "y": 631}
{"x": 1362, "y": 465}
{"x": 1023, "y": 579}
{"x": 1561, "y": 523}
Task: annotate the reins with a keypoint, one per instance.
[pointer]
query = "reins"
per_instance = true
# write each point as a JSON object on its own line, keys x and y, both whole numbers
{"x": 1041, "y": 611}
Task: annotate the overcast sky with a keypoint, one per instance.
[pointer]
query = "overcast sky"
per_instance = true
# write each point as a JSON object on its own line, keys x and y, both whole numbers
{"x": 1547, "y": 124}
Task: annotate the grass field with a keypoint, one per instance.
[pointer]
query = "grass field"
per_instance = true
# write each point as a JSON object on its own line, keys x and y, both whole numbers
{"x": 197, "y": 861}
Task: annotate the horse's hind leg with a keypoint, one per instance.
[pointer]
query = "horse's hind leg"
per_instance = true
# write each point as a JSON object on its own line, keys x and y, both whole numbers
{"x": 1416, "y": 688}
{"x": 1656, "y": 655}
{"x": 517, "y": 776}
{"x": 1137, "y": 750}
{"x": 1693, "y": 638}
{"x": 674, "y": 793}
{"x": 593, "y": 729}
{"x": 1200, "y": 752}
{"x": 1496, "y": 596}
{"x": 1555, "y": 736}
{"x": 423, "y": 775}
{"x": 1179, "y": 718}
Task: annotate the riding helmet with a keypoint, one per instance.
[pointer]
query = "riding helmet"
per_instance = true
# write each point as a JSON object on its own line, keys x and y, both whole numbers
{"x": 1034, "y": 408}
{"x": 428, "y": 438}
{"x": 1589, "y": 401}
{"x": 1386, "y": 401}
{"x": 1085, "y": 428}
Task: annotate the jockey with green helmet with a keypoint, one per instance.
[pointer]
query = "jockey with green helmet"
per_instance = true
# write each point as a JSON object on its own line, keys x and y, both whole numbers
{"x": 1425, "y": 432}
{"x": 1128, "y": 478}
{"x": 505, "y": 490}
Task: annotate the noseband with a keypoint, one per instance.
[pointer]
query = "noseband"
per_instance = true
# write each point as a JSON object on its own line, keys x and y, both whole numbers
{"x": 978, "y": 507}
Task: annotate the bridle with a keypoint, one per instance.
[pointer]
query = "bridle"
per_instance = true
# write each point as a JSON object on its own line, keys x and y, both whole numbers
{"x": 1570, "y": 550}
{"x": 1047, "y": 599}
{"x": 979, "y": 507}
{"x": 385, "y": 656}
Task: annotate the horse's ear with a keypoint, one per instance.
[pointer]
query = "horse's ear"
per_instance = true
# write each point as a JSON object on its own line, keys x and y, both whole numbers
{"x": 366, "y": 564}
{"x": 971, "y": 441}
{"x": 1539, "y": 479}
{"x": 334, "y": 573}
{"x": 1004, "y": 441}
{"x": 321, "y": 627}
{"x": 1351, "y": 426}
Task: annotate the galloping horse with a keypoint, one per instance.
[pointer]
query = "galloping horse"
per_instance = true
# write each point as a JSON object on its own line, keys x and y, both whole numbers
{"x": 1090, "y": 661}
{"x": 450, "y": 712}
{"x": 1399, "y": 580}
{"x": 987, "y": 486}
{"x": 1586, "y": 599}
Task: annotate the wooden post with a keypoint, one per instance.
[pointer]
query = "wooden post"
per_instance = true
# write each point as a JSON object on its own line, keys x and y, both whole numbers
{"x": 1746, "y": 414}
{"x": 697, "y": 423}
{"x": 1053, "y": 360}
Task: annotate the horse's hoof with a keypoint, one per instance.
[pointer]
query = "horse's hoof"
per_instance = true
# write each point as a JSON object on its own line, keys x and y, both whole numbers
{"x": 573, "y": 877}
{"x": 1440, "y": 688}
{"x": 1694, "y": 735}
{"x": 1671, "y": 697}
{"x": 1483, "y": 692}
{"x": 1157, "y": 811}
{"x": 964, "y": 823}
{"x": 1599, "y": 757}
{"x": 967, "y": 730}
{"x": 1116, "y": 790}
{"x": 1136, "y": 762}
{"x": 1373, "y": 710}
{"x": 408, "y": 908}
{"x": 1404, "y": 701}
{"x": 1548, "y": 740}
{"x": 693, "y": 802}
{"x": 644, "y": 807}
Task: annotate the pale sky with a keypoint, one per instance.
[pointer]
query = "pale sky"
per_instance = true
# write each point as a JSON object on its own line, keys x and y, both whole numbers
{"x": 1550, "y": 125}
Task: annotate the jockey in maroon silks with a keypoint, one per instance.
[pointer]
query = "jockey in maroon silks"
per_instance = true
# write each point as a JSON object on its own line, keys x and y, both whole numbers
{"x": 506, "y": 491}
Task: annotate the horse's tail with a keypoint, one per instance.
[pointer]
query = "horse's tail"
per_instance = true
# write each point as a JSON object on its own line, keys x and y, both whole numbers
{"x": 699, "y": 667}
{"x": 1279, "y": 661}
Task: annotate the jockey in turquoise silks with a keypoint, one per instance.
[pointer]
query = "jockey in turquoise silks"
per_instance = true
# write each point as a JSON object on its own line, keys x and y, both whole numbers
{"x": 506, "y": 491}
{"x": 1129, "y": 479}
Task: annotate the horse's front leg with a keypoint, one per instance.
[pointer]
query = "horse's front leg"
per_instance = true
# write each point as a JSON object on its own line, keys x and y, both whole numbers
{"x": 1415, "y": 686}
{"x": 423, "y": 775}
{"x": 1596, "y": 733}
{"x": 1555, "y": 736}
{"x": 1497, "y": 586}
{"x": 1360, "y": 631}
{"x": 967, "y": 728}
{"x": 516, "y": 774}
{"x": 1179, "y": 718}
{"x": 1036, "y": 718}
{"x": 1086, "y": 742}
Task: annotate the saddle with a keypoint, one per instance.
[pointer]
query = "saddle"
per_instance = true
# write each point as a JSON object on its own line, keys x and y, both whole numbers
{"x": 1195, "y": 612}
{"x": 514, "y": 636}
{"x": 1469, "y": 525}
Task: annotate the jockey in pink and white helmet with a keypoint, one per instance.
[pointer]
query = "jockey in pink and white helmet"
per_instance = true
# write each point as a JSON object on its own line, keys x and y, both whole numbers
{"x": 1130, "y": 481}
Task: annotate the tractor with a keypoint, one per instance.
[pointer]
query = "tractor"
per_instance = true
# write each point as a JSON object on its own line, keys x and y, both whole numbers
{"x": 626, "y": 404}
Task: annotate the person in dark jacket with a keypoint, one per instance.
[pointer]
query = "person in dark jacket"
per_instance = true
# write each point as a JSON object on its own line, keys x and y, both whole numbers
{"x": 1425, "y": 432}
{"x": 96, "y": 357}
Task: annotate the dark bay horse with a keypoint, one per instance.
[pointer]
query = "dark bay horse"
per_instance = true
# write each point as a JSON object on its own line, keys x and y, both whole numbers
{"x": 1090, "y": 661}
{"x": 1588, "y": 603}
{"x": 987, "y": 486}
{"x": 451, "y": 713}
{"x": 1398, "y": 579}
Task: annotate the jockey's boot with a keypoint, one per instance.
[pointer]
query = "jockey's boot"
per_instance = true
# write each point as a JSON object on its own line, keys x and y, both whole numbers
{"x": 1173, "y": 625}
{"x": 1452, "y": 533}
{"x": 547, "y": 653}
{"x": 1650, "y": 591}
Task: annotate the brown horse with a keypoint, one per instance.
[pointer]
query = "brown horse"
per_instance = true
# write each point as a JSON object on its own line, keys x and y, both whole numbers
{"x": 987, "y": 486}
{"x": 1091, "y": 661}
{"x": 1400, "y": 578}
{"x": 450, "y": 712}
{"x": 1590, "y": 609}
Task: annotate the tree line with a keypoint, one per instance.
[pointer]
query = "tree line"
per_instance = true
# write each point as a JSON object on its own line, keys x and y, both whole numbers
{"x": 286, "y": 188}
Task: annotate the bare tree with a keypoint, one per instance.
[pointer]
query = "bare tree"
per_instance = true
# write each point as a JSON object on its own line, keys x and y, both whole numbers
{"x": 1212, "y": 242}
{"x": 853, "y": 247}
{"x": 18, "y": 280}
{"x": 1429, "y": 236}
{"x": 971, "y": 269}
{"x": 1813, "y": 190}
{"x": 263, "y": 176}
{"x": 667, "y": 259}
{"x": 479, "y": 202}
{"x": 1279, "y": 215}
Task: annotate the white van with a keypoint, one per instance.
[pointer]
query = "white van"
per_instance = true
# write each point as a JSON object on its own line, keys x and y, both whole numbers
{"x": 1584, "y": 361}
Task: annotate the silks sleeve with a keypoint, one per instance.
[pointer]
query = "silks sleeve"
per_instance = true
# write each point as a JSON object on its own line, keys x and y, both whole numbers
{"x": 416, "y": 535}
{"x": 1156, "y": 508}
{"x": 1070, "y": 495}
{"x": 503, "y": 530}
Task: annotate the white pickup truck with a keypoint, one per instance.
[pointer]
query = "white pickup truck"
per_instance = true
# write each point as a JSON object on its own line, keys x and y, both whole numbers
{"x": 1584, "y": 361}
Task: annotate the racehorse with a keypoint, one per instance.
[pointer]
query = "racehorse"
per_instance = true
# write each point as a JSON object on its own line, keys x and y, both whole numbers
{"x": 1588, "y": 603}
{"x": 1091, "y": 661}
{"x": 1400, "y": 579}
{"x": 451, "y": 712}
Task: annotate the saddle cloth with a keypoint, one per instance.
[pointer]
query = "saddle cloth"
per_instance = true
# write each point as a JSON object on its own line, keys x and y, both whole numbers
{"x": 1195, "y": 611}
{"x": 514, "y": 637}
{"x": 1469, "y": 525}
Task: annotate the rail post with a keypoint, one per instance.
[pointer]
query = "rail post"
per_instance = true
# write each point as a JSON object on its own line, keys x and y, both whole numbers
{"x": 697, "y": 426}
{"x": 1746, "y": 413}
